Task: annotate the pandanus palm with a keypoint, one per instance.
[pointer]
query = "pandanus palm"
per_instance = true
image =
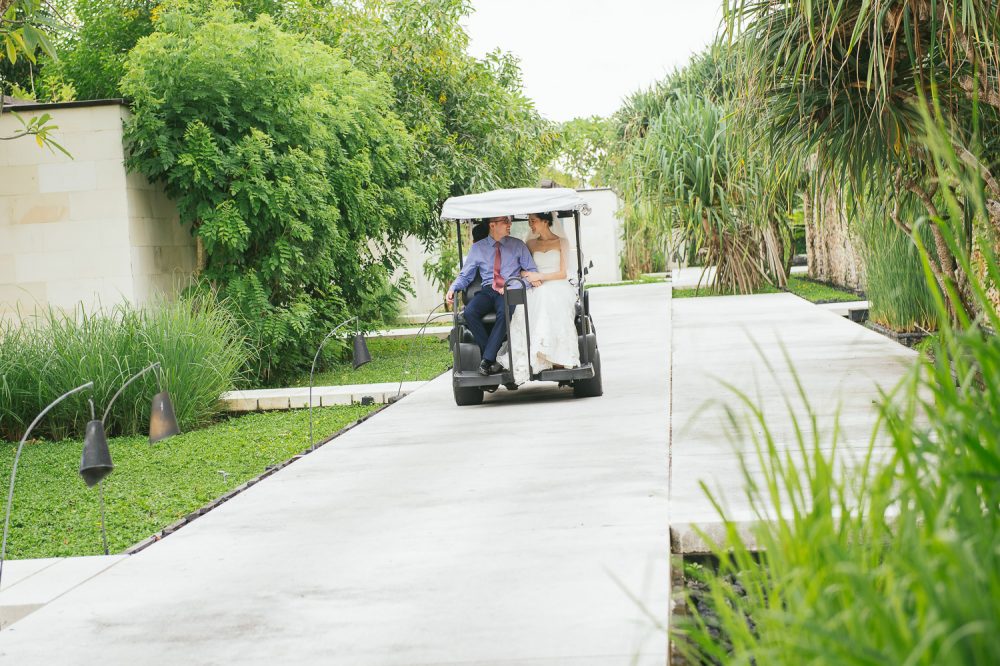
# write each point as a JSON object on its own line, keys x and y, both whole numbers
{"x": 848, "y": 80}
{"x": 691, "y": 177}
{"x": 695, "y": 179}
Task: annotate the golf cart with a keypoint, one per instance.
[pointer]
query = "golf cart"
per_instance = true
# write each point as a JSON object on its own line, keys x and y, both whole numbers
{"x": 467, "y": 383}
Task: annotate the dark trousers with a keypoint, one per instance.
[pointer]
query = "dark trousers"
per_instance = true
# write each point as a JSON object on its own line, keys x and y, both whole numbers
{"x": 486, "y": 300}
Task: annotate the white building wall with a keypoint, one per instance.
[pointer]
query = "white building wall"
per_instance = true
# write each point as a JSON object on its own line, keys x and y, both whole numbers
{"x": 78, "y": 230}
{"x": 600, "y": 237}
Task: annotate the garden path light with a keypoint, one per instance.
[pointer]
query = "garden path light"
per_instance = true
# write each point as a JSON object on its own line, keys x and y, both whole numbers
{"x": 17, "y": 456}
{"x": 95, "y": 463}
{"x": 361, "y": 356}
{"x": 406, "y": 364}
{"x": 361, "y": 353}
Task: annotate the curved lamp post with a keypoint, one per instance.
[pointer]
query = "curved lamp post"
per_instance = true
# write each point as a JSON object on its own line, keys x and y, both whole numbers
{"x": 95, "y": 462}
{"x": 360, "y": 357}
{"x": 17, "y": 456}
{"x": 417, "y": 338}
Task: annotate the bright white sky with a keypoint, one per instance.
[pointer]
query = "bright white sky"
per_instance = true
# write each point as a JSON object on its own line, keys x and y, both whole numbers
{"x": 582, "y": 57}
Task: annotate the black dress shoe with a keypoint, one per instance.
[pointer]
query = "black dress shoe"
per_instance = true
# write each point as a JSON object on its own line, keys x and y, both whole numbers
{"x": 487, "y": 368}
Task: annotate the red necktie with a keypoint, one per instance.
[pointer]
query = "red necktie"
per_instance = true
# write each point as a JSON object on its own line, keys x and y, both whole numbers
{"x": 498, "y": 281}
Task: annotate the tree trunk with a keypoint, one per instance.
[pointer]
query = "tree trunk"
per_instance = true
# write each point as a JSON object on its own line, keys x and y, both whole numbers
{"x": 833, "y": 252}
{"x": 199, "y": 249}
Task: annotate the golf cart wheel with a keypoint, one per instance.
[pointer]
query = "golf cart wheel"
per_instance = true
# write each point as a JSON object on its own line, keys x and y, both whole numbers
{"x": 468, "y": 395}
{"x": 590, "y": 388}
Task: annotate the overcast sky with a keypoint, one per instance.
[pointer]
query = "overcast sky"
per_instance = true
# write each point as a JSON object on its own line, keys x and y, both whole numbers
{"x": 582, "y": 57}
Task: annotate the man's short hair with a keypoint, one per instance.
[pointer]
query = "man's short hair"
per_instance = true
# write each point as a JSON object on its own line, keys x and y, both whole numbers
{"x": 480, "y": 231}
{"x": 506, "y": 219}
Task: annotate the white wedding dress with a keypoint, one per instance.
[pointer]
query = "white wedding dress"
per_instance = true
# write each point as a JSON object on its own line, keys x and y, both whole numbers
{"x": 551, "y": 315}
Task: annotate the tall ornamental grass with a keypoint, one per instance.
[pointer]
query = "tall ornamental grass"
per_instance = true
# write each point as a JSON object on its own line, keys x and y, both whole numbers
{"x": 894, "y": 279}
{"x": 196, "y": 341}
{"x": 896, "y": 561}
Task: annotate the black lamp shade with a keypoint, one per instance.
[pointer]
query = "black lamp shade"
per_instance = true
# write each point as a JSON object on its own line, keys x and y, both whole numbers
{"x": 361, "y": 354}
{"x": 95, "y": 463}
{"x": 162, "y": 421}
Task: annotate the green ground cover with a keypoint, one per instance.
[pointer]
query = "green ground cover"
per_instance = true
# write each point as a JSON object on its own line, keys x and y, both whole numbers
{"x": 693, "y": 292}
{"x": 412, "y": 358}
{"x": 443, "y": 321}
{"x": 643, "y": 279}
{"x": 817, "y": 292}
{"x": 55, "y": 514}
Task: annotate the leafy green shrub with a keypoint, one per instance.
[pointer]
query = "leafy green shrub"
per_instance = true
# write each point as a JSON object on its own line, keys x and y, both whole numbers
{"x": 298, "y": 179}
{"x": 196, "y": 341}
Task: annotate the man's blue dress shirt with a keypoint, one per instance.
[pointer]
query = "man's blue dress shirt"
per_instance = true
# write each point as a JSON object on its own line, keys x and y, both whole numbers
{"x": 514, "y": 257}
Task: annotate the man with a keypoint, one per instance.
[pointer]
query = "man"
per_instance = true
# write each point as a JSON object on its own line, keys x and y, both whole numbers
{"x": 498, "y": 257}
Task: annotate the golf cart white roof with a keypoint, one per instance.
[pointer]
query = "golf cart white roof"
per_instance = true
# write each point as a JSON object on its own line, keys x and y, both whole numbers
{"x": 520, "y": 201}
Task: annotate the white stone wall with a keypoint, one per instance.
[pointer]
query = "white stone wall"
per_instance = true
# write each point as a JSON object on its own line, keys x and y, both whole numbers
{"x": 601, "y": 236}
{"x": 79, "y": 230}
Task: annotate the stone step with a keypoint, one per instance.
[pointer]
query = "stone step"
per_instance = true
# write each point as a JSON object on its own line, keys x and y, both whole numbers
{"x": 844, "y": 309}
{"x": 431, "y": 330}
{"x": 322, "y": 396}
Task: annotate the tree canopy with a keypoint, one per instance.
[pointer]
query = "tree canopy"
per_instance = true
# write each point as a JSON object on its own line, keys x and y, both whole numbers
{"x": 287, "y": 161}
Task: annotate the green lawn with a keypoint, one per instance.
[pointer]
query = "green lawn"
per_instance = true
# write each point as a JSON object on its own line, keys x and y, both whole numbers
{"x": 817, "y": 292}
{"x": 692, "y": 292}
{"x": 55, "y": 514}
{"x": 643, "y": 279}
{"x": 428, "y": 358}
{"x": 443, "y": 321}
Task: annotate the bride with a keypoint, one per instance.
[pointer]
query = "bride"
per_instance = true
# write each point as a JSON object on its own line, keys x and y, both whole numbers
{"x": 551, "y": 304}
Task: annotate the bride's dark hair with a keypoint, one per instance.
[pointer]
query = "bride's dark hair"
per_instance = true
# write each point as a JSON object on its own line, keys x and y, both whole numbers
{"x": 544, "y": 216}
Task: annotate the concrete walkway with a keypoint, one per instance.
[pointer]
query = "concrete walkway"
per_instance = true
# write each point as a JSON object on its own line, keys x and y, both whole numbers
{"x": 31, "y": 584}
{"x": 529, "y": 530}
{"x": 732, "y": 339}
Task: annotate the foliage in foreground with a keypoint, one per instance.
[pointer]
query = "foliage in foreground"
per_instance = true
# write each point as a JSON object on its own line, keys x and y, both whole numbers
{"x": 893, "y": 561}
{"x": 878, "y": 565}
{"x": 56, "y": 515}
{"x": 197, "y": 343}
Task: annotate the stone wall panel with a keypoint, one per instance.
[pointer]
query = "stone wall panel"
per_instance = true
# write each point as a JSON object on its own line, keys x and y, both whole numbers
{"x": 80, "y": 230}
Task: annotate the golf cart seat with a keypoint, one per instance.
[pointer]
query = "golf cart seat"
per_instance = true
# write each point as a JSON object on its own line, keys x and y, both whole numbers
{"x": 489, "y": 318}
